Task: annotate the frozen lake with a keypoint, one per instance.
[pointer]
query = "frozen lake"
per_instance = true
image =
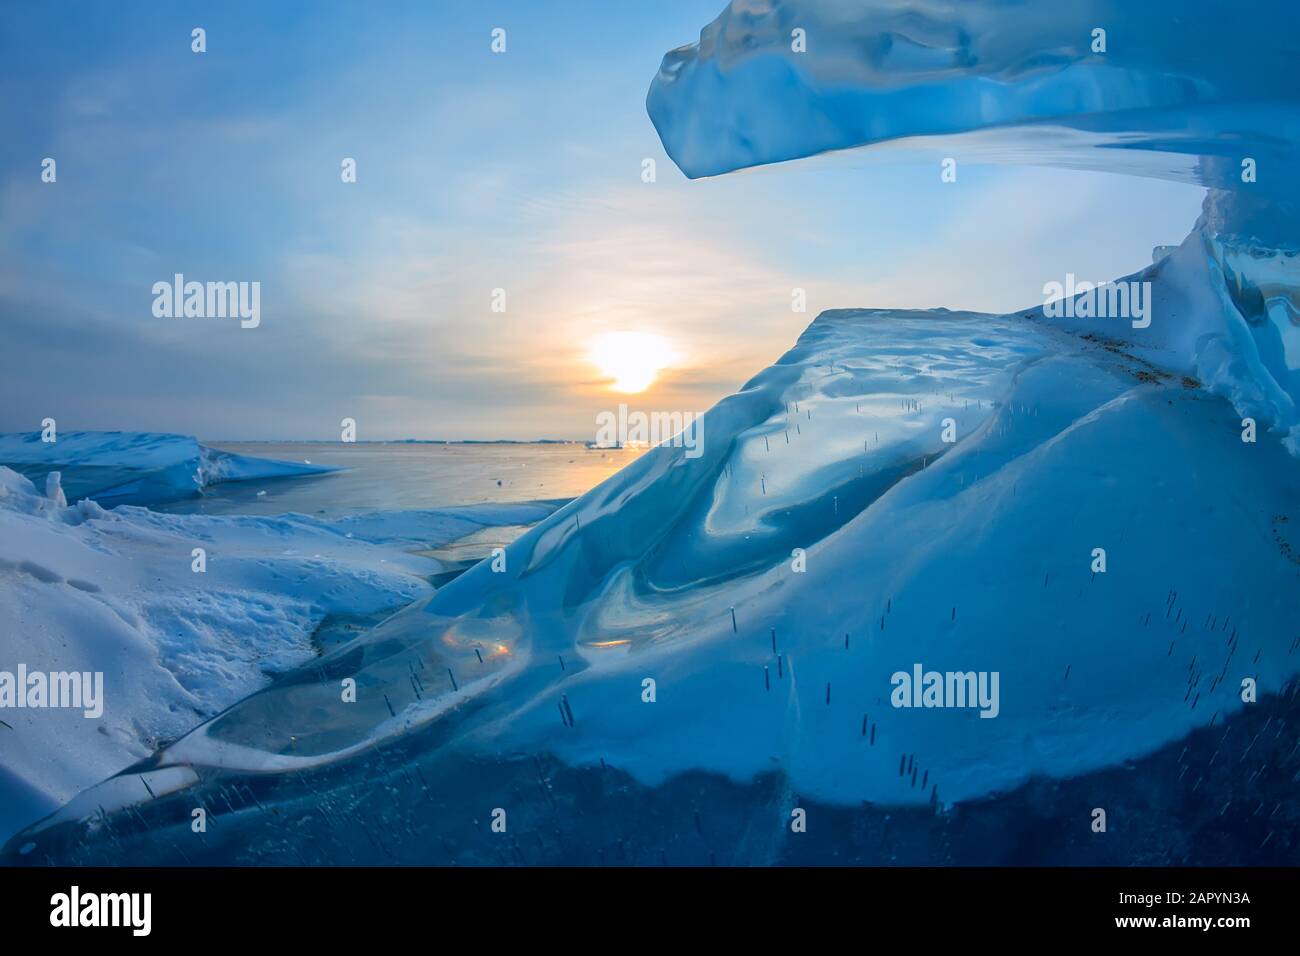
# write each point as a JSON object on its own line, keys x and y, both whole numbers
{"x": 404, "y": 476}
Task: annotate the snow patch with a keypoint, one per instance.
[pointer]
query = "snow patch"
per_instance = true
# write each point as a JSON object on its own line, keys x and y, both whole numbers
{"x": 84, "y": 589}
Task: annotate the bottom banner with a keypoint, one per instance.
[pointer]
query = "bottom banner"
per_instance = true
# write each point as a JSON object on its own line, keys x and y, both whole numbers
{"x": 338, "y": 905}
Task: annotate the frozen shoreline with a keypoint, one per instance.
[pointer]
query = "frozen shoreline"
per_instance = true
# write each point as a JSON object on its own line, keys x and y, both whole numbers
{"x": 118, "y": 593}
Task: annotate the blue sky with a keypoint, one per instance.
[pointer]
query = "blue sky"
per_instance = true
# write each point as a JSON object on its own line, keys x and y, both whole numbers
{"x": 475, "y": 171}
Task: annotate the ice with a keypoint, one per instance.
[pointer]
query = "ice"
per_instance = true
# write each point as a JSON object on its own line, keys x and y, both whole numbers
{"x": 1185, "y": 97}
{"x": 137, "y": 467}
{"x": 54, "y": 489}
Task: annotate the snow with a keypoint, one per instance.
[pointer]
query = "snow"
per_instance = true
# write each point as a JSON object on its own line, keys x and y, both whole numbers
{"x": 136, "y": 467}
{"x": 86, "y": 589}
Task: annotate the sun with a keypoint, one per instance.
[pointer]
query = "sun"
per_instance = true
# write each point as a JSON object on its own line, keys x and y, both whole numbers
{"x": 632, "y": 359}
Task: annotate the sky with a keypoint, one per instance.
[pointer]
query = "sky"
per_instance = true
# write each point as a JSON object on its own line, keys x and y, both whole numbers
{"x": 475, "y": 171}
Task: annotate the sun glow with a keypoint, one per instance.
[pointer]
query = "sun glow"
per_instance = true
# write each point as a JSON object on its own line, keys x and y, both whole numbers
{"x": 632, "y": 359}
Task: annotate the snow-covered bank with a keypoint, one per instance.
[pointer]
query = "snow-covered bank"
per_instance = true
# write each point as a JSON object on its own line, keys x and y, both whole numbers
{"x": 88, "y": 590}
{"x": 136, "y": 467}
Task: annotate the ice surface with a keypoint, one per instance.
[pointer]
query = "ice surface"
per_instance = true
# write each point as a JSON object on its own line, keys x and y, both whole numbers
{"x": 137, "y": 467}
